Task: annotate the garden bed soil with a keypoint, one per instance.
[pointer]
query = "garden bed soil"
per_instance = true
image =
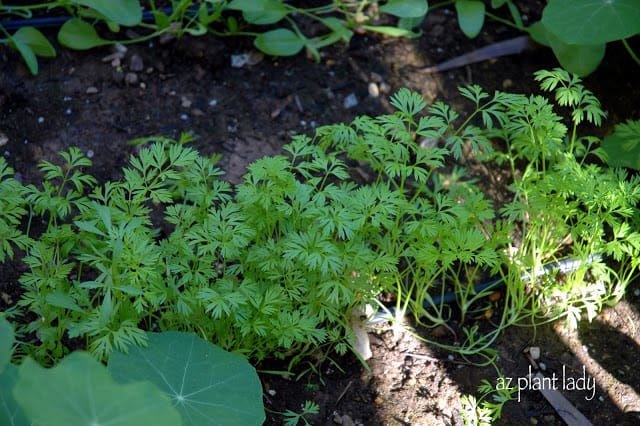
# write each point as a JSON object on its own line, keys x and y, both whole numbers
{"x": 81, "y": 99}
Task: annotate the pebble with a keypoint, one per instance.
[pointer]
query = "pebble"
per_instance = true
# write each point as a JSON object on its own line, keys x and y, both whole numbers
{"x": 113, "y": 56}
{"x": 534, "y": 351}
{"x": 91, "y": 90}
{"x": 90, "y": 153}
{"x": 184, "y": 117}
{"x": 350, "y": 101}
{"x": 347, "y": 421}
{"x": 135, "y": 63}
{"x": 40, "y": 120}
{"x": 131, "y": 78}
{"x": 213, "y": 102}
{"x": 185, "y": 102}
{"x": 3, "y": 139}
{"x": 374, "y": 90}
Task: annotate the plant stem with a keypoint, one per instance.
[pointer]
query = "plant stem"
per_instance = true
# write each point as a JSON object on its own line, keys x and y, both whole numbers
{"x": 630, "y": 50}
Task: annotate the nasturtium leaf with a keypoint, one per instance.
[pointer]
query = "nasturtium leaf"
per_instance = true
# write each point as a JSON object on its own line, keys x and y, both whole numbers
{"x": 581, "y": 60}
{"x": 124, "y": 12}
{"x": 410, "y": 23}
{"x": 80, "y": 35}
{"x": 623, "y": 145}
{"x": 35, "y": 40}
{"x": 272, "y": 12}
{"x": 405, "y": 8}
{"x": 6, "y": 343}
{"x": 208, "y": 385}
{"x": 538, "y": 33}
{"x": 10, "y": 412}
{"x": 30, "y": 42}
{"x": 279, "y": 42}
{"x": 27, "y": 54}
{"x": 80, "y": 391}
{"x": 251, "y": 5}
{"x": 592, "y": 22}
{"x": 470, "y": 16}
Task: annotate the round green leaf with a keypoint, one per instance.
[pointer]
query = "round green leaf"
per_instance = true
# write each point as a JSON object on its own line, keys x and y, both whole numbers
{"x": 79, "y": 391}
{"x": 251, "y": 5}
{"x": 208, "y": 386}
{"x": 35, "y": 40}
{"x": 124, "y": 12}
{"x": 10, "y": 413}
{"x": 6, "y": 343}
{"x": 27, "y": 54}
{"x": 470, "y": 16}
{"x": 279, "y": 42}
{"x": 405, "y": 8}
{"x": 592, "y": 22}
{"x": 80, "y": 35}
{"x": 271, "y": 12}
{"x": 623, "y": 145}
{"x": 579, "y": 59}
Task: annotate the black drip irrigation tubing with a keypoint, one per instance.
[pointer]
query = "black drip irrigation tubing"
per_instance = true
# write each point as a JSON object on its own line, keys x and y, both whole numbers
{"x": 388, "y": 313}
{"x": 57, "y": 21}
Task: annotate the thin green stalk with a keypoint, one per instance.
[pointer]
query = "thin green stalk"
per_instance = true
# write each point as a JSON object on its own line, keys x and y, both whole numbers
{"x": 630, "y": 51}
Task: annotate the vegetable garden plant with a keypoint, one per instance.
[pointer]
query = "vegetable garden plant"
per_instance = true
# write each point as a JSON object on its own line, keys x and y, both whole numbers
{"x": 576, "y": 30}
{"x": 275, "y": 266}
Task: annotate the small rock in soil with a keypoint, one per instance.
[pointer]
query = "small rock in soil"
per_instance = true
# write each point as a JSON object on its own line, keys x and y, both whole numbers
{"x": 131, "y": 78}
{"x": 350, "y": 101}
{"x": 91, "y": 90}
{"x": 347, "y": 421}
{"x": 135, "y": 63}
{"x": 534, "y": 351}
{"x": 374, "y": 90}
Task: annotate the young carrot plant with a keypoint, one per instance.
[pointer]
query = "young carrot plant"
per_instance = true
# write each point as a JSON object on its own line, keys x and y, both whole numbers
{"x": 275, "y": 266}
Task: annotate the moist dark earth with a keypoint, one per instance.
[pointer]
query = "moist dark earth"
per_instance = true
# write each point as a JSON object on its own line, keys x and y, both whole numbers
{"x": 83, "y": 99}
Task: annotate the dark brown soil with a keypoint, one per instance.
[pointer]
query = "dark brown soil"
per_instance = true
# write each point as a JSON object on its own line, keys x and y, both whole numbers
{"x": 245, "y": 113}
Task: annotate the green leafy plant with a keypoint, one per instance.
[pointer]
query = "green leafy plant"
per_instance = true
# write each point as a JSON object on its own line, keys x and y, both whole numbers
{"x": 84, "y": 29}
{"x": 158, "y": 384}
{"x": 578, "y": 31}
{"x": 276, "y": 265}
{"x": 483, "y": 411}
{"x": 623, "y": 145}
{"x": 30, "y": 43}
{"x": 291, "y": 418}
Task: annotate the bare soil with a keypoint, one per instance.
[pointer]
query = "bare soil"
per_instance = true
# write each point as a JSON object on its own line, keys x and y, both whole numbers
{"x": 80, "y": 99}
